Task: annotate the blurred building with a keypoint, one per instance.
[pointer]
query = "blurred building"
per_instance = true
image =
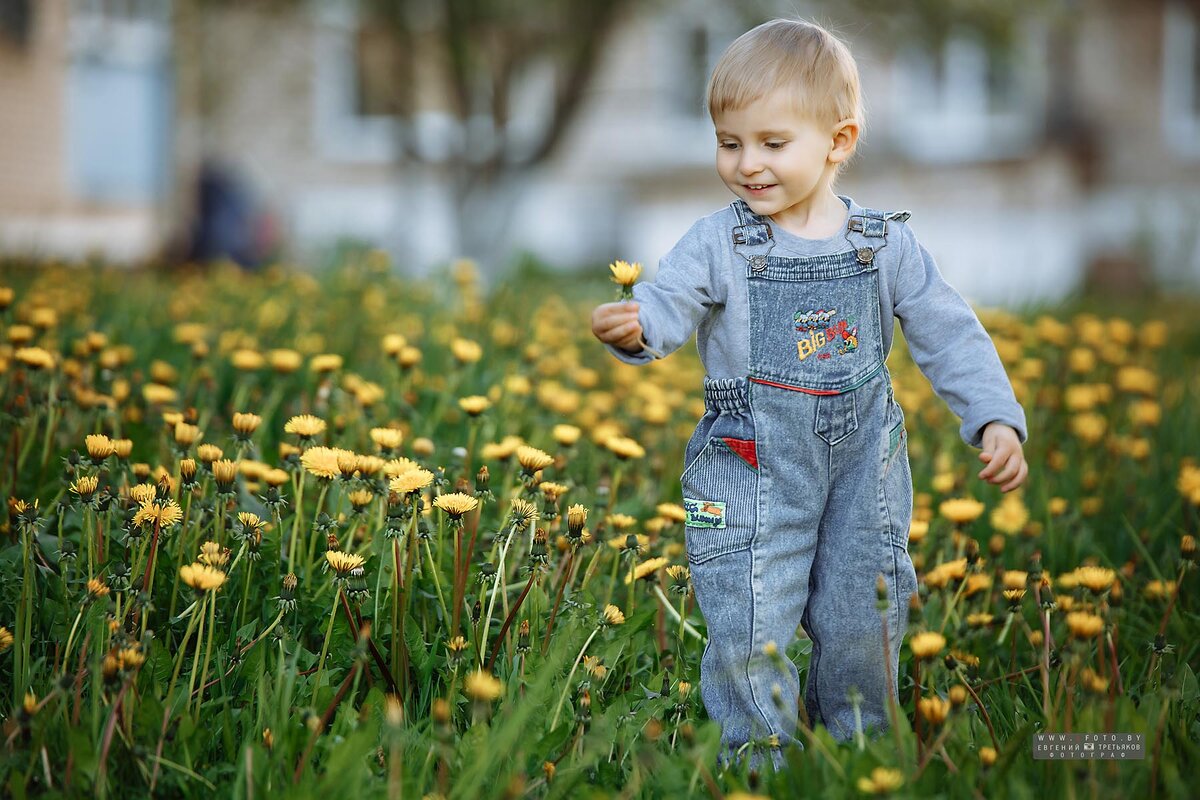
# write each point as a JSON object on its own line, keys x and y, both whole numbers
{"x": 1024, "y": 170}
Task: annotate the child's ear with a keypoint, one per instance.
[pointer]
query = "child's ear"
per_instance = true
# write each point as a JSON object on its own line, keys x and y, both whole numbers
{"x": 845, "y": 139}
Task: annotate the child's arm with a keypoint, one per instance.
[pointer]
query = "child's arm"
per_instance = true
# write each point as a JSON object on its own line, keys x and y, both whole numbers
{"x": 952, "y": 348}
{"x": 666, "y": 312}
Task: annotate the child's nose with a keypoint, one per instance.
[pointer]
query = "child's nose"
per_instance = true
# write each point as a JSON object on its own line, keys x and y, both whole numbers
{"x": 750, "y": 164}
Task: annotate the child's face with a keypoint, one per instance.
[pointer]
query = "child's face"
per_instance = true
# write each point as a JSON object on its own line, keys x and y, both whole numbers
{"x": 774, "y": 158}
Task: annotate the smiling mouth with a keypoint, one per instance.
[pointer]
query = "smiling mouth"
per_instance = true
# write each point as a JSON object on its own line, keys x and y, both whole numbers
{"x": 759, "y": 185}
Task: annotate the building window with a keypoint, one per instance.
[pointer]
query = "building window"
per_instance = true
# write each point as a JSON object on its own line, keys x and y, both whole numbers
{"x": 119, "y": 100}
{"x": 1181, "y": 78}
{"x": 968, "y": 102}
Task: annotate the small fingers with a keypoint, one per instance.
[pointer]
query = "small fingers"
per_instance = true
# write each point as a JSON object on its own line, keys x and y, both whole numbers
{"x": 993, "y": 465}
{"x": 1022, "y": 472}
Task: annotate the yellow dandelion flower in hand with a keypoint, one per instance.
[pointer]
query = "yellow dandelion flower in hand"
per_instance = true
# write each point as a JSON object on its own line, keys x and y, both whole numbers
{"x": 625, "y": 274}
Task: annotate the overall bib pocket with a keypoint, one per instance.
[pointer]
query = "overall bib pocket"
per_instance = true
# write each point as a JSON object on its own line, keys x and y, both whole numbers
{"x": 720, "y": 491}
{"x": 815, "y": 323}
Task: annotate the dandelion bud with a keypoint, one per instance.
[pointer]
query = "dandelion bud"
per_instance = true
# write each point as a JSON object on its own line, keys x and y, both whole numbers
{"x": 287, "y": 595}
{"x": 958, "y": 694}
{"x": 187, "y": 473}
{"x": 987, "y": 756}
{"x": 1187, "y": 548}
{"x": 224, "y": 473}
{"x": 576, "y": 519}
{"x": 99, "y": 446}
{"x": 972, "y": 552}
{"x": 246, "y": 424}
{"x": 185, "y": 434}
{"x": 482, "y": 478}
{"x": 539, "y": 552}
{"x": 268, "y": 739}
{"x": 522, "y": 637}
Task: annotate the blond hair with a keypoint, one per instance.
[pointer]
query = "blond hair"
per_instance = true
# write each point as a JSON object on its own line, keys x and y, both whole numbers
{"x": 797, "y": 56}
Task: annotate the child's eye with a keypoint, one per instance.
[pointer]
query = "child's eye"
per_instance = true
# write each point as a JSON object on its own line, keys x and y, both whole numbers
{"x": 727, "y": 145}
{"x": 776, "y": 145}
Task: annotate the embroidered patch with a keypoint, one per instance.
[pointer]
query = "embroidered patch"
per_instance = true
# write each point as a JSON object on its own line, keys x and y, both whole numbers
{"x": 704, "y": 513}
{"x": 746, "y": 449}
{"x": 820, "y": 333}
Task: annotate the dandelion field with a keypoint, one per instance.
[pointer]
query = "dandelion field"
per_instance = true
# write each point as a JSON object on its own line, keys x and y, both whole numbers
{"x": 352, "y": 532}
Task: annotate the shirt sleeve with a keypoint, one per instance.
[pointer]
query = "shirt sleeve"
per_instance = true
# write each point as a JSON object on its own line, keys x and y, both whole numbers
{"x": 951, "y": 346}
{"x": 675, "y": 303}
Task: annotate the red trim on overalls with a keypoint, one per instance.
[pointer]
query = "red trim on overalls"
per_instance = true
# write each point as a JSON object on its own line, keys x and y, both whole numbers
{"x": 793, "y": 388}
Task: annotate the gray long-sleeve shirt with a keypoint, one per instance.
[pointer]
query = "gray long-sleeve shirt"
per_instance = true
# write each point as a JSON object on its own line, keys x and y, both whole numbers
{"x": 701, "y": 288}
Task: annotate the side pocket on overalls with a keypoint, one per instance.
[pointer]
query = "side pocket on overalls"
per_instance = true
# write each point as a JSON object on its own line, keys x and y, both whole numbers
{"x": 720, "y": 492}
{"x": 897, "y": 494}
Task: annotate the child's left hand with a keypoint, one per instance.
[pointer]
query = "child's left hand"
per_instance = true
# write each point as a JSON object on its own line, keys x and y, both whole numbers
{"x": 1003, "y": 455}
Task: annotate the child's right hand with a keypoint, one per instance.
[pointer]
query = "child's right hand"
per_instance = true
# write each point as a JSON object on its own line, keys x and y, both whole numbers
{"x": 617, "y": 324}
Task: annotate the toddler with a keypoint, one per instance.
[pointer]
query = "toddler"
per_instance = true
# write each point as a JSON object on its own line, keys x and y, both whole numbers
{"x": 796, "y": 481}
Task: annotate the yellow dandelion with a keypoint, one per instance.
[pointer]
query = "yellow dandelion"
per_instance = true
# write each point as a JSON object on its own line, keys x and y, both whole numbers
{"x": 158, "y": 395}
{"x": 325, "y": 363}
{"x": 456, "y": 504}
{"x": 672, "y": 511}
{"x": 387, "y": 438}
{"x": 625, "y": 273}
{"x": 646, "y": 568}
{"x": 566, "y": 435}
{"x": 1010, "y": 516}
{"x": 882, "y": 780}
{"x": 933, "y": 709}
{"x": 1096, "y": 579}
{"x": 1084, "y": 625}
{"x": 621, "y": 522}
{"x": 245, "y": 423}
{"x": 201, "y": 577}
{"x": 1159, "y": 590}
{"x": 466, "y": 351}
{"x": 98, "y": 446}
{"x": 624, "y": 447}
{"x": 344, "y": 563}
{"x": 613, "y": 615}
{"x": 396, "y": 467}
{"x": 164, "y": 515}
{"x": 474, "y": 405}
{"x": 85, "y": 486}
{"x": 522, "y": 513}
{"x": 926, "y": 645}
{"x": 532, "y": 459}
{"x": 961, "y": 510}
{"x": 482, "y": 686}
{"x": 306, "y": 426}
{"x": 1015, "y": 579}
{"x": 35, "y": 357}
{"x": 322, "y": 461}
{"x": 213, "y": 555}
{"x": 412, "y": 481}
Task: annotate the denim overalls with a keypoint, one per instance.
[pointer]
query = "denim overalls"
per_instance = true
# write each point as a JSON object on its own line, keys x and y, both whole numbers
{"x": 798, "y": 495}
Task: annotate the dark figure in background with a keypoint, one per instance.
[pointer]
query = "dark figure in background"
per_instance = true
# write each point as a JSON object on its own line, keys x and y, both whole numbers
{"x": 227, "y": 225}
